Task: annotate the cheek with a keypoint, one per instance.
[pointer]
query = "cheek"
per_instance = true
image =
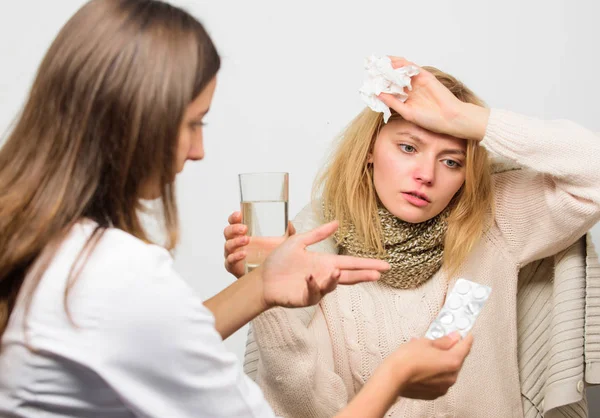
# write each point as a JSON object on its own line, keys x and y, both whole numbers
{"x": 196, "y": 150}
{"x": 452, "y": 185}
{"x": 389, "y": 171}
{"x": 183, "y": 148}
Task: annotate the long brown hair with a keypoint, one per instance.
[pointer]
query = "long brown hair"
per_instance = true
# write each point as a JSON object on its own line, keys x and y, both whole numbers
{"x": 346, "y": 189}
{"x": 101, "y": 123}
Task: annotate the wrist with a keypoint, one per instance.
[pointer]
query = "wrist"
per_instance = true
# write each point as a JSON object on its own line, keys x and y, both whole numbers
{"x": 470, "y": 122}
{"x": 400, "y": 369}
{"x": 257, "y": 289}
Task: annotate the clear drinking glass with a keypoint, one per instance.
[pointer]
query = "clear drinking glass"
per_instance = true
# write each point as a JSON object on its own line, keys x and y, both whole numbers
{"x": 264, "y": 201}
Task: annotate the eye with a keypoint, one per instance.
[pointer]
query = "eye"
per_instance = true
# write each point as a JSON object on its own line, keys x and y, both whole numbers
{"x": 452, "y": 163}
{"x": 409, "y": 149}
{"x": 197, "y": 124}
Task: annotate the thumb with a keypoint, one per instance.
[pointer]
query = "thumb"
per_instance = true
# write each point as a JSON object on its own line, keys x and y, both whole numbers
{"x": 464, "y": 347}
{"x": 291, "y": 229}
{"x": 461, "y": 350}
{"x": 319, "y": 234}
{"x": 447, "y": 342}
{"x": 395, "y": 103}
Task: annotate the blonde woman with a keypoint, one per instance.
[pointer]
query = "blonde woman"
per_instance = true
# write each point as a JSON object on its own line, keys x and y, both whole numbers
{"x": 418, "y": 192}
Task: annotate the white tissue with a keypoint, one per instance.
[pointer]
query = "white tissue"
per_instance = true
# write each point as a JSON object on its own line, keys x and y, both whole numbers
{"x": 382, "y": 78}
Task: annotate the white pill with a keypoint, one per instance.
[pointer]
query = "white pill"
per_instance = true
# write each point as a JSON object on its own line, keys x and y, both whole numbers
{"x": 447, "y": 318}
{"x": 463, "y": 287}
{"x": 480, "y": 293}
{"x": 463, "y": 323}
{"x": 454, "y": 302}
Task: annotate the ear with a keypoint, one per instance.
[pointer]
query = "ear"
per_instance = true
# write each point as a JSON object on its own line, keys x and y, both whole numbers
{"x": 370, "y": 158}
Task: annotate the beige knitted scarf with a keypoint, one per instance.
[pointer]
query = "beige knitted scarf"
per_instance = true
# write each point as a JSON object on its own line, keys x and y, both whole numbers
{"x": 414, "y": 251}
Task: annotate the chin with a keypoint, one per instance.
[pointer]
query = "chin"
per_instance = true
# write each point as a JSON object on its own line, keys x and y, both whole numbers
{"x": 414, "y": 219}
{"x": 411, "y": 215}
{"x": 153, "y": 195}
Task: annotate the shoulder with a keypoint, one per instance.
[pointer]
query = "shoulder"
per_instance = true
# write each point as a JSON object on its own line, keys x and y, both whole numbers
{"x": 119, "y": 248}
{"x": 309, "y": 218}
{"x": 116, "y": 256}
{"x": 129, "y": 280}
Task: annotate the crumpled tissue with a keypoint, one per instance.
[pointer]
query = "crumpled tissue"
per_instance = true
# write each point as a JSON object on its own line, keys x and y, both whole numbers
{"x": 382, "y": 78}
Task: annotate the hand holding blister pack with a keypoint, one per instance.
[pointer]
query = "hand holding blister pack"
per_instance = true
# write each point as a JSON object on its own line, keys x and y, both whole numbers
{"x": 461, "y": 309}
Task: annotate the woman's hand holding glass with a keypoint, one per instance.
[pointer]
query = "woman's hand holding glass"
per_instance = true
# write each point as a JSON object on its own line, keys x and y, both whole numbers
{"x": 236, "y": 243}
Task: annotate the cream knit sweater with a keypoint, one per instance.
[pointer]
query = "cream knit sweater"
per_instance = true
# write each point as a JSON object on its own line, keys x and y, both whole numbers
{"x": 310, "y": 362}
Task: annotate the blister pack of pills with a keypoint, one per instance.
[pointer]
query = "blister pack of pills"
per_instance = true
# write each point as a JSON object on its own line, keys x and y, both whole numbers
{"x": 462, "y": 307}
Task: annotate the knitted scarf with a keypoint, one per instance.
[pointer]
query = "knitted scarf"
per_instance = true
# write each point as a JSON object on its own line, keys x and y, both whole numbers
{"x": 414, "y": 251}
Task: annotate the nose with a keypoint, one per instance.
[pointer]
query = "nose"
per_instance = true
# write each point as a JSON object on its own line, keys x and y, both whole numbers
{"x": 196, "y": 152}
{"x": 195, "y": 156}
{"x": 425, "y": 173}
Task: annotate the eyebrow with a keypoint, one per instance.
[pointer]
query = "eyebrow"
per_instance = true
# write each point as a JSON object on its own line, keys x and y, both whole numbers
{"x": 449, "y": 151}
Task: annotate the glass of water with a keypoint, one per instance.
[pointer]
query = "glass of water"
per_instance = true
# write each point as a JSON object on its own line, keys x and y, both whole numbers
{"x": 264, "y": 200}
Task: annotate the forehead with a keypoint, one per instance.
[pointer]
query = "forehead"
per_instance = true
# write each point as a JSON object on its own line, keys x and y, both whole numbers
{"x": 201, "y": 102}
{"x": 399, "y": 128}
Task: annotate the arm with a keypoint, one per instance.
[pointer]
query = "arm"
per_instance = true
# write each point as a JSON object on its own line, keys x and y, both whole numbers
{"x": 553, "y": 202}
{"x": 298, "y": 378}
{"x": 238, "y": 304}
{"x": 420, "y": 369}
{"x": 378, "y": 395}
{"x": 158, "y": 349}
{"x": 292, "y": 277}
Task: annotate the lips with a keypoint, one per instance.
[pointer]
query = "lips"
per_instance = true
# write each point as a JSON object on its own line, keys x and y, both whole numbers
{"x": 420, "y": 195}
{"x": 416, "y": 198}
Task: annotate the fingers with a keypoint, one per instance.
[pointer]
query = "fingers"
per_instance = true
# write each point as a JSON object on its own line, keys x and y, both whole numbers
{"x": 447, "y": 342}
{"x": 395, "y": 103}
{"x": 319, "y": 289}
{"x": 314, "y": 290}
{"x": 331, "y": 283}
{"x": 460, "y": 352}
{"x": 463, "y": 347}
{"x": 234, "y": 230}
{"x": 443, "y": 381}
{"x": 291, "y": 229}
{"x": 318, "y": 234}
{"x": 390, "y": 100}
{"x": 358, "y": 276}
{"x": 398, "y": 62}
{"x": 235, "y": 218}
{"x": 235, "y": 257}
{"x": 345, "y": 262}
{"x": 234, "y": 244}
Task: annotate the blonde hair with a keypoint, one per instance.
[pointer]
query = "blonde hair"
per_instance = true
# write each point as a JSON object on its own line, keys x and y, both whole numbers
{"x": 346, "y": 190}
{"x": 101, "y": 123}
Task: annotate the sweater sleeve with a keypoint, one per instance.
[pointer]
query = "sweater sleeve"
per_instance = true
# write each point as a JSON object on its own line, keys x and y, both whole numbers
{"x": 289, "y": 353}
{"x": 555, "y": 198}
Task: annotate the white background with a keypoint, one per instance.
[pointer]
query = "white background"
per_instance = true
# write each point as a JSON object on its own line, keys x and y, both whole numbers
{"x": 290, "y": 75}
